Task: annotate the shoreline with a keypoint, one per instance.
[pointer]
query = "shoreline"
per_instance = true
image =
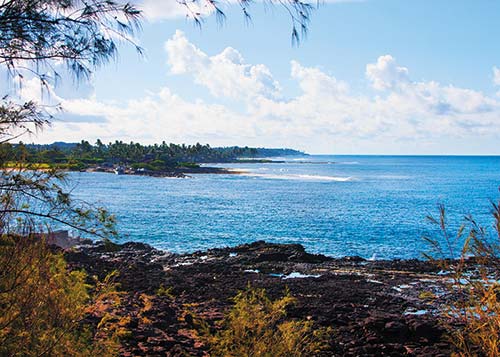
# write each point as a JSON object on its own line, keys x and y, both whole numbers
{"x": 176, "y": 173}
{"x": 373, "y": 307}
{"x": 183, "y": 172}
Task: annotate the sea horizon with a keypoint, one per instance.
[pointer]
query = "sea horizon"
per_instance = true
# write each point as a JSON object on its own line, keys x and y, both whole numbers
{"x": 374, "y": 206}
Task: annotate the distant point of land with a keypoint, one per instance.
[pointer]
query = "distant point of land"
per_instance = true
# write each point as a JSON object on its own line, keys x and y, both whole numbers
{"x": 172, "y": 160}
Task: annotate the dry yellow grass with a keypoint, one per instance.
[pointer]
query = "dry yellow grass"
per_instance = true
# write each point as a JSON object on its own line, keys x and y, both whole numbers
{"x": 472, "y": 315}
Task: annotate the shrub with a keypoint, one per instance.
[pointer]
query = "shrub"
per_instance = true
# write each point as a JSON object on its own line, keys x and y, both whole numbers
{"x": 189, "y": 165}
{"x": 43, "y": 305}
{"x": 256, "y": 326}
{"x": 472, "y": 314}
{"x": 165, "y": 291}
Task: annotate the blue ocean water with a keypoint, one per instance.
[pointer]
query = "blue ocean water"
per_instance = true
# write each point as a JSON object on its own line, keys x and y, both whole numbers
{"x": 372, "y": 206}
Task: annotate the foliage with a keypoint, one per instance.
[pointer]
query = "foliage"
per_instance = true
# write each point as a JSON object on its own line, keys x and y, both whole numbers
{"x": 43, "y": 305}
{"x": 36, "y": 198}
{"x": 149, "y": 157}
{"x": 17, "y": 119}
{"x": 190, "y": 165}
{"x": 37, "y": 35}
{"x": 299, "y": 12}
{"x": 34, "y": 35}
{"x": 81, "y": 33}
{"x": 472, "y": 315}
{"x": 257, "y": 326}
{"x": 165, "y": 291}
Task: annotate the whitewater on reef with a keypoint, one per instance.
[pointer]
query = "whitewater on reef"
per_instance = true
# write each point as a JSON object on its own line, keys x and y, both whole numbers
{"x": 296, "y": 177}
{"x": 371, "y": 206}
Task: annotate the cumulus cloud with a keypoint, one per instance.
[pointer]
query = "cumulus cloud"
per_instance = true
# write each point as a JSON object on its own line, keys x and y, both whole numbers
{"x": 153, "y": 118}
{"x": 405, "y": 116}
{"x": 315, "y": 82}
{"x": 386, "y": 74}
{"x": 225, "y": 74}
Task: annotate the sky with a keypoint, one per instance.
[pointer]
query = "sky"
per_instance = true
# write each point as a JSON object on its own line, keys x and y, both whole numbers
{"x": 372, "y": 77}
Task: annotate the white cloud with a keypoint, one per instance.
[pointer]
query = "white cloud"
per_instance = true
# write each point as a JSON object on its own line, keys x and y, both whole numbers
{"x": 496, "y": 76}
{"x": 407, "y": 116}
{"x": 153, "y": 118}
{"x": 157, "y": 10}
{"x": 385, "y": 74}
{"x": 224, "y": 74}
{"x": 315, "y": 82}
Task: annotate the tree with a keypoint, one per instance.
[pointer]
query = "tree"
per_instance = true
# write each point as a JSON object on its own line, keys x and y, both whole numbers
{"x": 36, "y": 37}
{"x": 299, "y": 12}
{"x": 41, "y": 301}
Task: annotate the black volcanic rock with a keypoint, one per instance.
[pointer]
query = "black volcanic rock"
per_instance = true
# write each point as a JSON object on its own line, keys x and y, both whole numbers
{"x": 370, "y": 305}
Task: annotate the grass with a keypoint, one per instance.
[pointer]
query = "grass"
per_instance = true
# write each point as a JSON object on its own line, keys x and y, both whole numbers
{"x": 472, "y": 314}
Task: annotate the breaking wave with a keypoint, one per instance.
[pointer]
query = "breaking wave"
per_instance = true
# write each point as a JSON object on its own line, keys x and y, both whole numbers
{"x": 298, "y": 177}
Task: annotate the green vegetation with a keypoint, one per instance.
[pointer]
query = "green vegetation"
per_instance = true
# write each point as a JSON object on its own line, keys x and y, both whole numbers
{"x": 43, "y": 305}
{"x": 46, "y": 309}
{"x": 147, "y": 157}
{"x": 257, "y": 326}
{"x": 165, "y": 291}
{"x": 472, "y": 314}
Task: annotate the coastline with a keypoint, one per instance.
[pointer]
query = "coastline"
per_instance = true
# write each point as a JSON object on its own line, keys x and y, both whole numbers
{"x": 176, "y": 173}
{"x": 373, "y": 307}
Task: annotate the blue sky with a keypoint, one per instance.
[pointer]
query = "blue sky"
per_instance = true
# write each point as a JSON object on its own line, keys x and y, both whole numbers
{"x": 372, "y": 77}
{"x": 449, "y": 41}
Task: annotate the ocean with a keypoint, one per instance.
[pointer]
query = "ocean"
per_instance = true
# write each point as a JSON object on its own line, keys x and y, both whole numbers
{"x": 370, "y": 206}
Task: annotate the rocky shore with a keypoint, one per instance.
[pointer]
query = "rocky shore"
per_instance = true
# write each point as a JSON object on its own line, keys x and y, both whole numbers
{"x": 181, "y": 172}
{"x": 375, "y": 308}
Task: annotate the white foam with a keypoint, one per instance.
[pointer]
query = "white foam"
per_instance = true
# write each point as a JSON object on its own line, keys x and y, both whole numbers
{"x": 182, "y": 264}
{"x": 418, "y": 312}
{"x": 276, "y": 275}
{"x": 297, "y": 275}
{"x": 298, "y": 177}
{"x": 238, "y": 170}
{"x": 326, "y": 178}
{"x": 404, "y": 286}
